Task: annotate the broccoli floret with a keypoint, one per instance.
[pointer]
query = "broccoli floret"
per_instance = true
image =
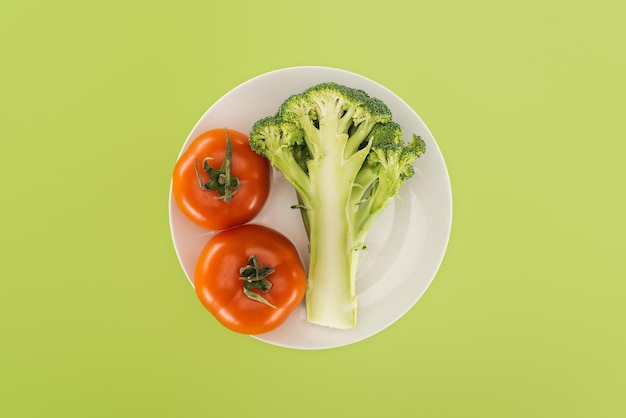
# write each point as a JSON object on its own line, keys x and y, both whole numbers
{"x": 347, "y": 159}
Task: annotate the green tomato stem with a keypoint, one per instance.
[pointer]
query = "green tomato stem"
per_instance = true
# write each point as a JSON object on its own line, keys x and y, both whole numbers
{"x": 255, "y": 276}
{"x": 220, "y": 180}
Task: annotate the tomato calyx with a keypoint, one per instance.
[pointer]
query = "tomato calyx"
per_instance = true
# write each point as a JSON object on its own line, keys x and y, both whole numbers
{"x": 255, "y": 276}
{"x": 220, "y": 180}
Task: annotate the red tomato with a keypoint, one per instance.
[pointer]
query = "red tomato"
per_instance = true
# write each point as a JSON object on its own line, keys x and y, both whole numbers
{"x": 217, "y": 192}
{"x": 220, "y": 287}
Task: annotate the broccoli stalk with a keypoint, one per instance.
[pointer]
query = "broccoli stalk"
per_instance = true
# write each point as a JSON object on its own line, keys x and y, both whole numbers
{"x": 346, "y": 159}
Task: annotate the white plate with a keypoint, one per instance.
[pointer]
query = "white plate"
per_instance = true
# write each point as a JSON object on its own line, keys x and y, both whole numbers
{"x": 404, "y": 249}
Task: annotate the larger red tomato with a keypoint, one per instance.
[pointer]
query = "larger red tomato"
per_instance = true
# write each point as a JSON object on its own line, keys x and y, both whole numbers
{"x": 217, "y": 185}
{"x": 250, "y": 278}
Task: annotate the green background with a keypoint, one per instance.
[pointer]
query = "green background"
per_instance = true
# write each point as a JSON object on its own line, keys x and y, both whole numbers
{"x": 526, "y": 316}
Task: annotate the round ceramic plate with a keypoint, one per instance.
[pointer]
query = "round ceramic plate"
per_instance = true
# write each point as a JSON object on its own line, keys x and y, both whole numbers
{"x": 404, "y": 248}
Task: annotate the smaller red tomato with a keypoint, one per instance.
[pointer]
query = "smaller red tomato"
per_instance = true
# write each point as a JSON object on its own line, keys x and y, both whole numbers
{"x": 219, "y": 181}
{"x": 250, "y": 278}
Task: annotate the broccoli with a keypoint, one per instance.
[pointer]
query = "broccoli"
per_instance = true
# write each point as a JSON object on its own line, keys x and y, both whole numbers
{"x": 346, "y": 159}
